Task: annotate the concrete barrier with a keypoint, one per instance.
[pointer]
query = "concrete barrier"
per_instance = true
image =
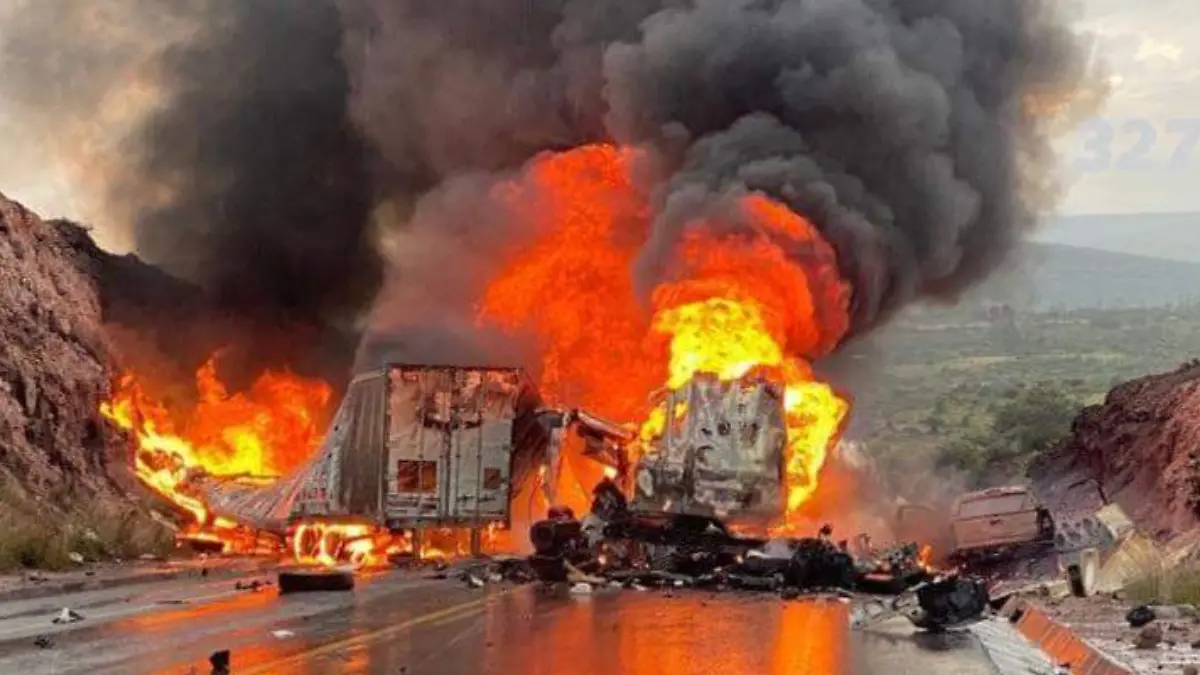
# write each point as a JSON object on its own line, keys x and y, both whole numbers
{"x": 1131, "y": 559}
{"x": 1063, "y": 645}
{"x": 1082, "y": 568}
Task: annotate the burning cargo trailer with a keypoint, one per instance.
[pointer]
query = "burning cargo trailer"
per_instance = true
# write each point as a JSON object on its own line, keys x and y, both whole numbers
{"x": 411, "y": 448}
{"x": 718, "y": 452}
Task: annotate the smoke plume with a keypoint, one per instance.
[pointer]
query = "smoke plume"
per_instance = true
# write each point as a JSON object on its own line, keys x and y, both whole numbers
{"x": 235, "y": 162}
{"x": 274, "y": 139}
{"x": 915, "y": 134}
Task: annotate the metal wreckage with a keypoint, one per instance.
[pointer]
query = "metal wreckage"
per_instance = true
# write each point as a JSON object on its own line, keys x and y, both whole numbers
{"x": 718, "y": 463}
{"x": 418, "y": 447}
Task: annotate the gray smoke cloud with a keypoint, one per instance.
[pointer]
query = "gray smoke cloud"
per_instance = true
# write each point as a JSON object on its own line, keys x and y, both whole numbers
{"x": 241, "y": 171}
{"x": 915, "y": 134}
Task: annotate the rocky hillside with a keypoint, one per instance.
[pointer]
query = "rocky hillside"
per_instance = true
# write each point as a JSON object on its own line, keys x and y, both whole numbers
{"x": 72, "y": 316}
{"x": 1140, "y": 449}
{"x": 55, "y": 361}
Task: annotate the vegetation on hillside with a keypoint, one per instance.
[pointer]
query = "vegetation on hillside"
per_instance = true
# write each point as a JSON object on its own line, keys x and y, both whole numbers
{"x": 976, "y": 392}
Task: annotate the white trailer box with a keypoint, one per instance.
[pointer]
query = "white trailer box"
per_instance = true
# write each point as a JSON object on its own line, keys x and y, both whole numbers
{"x": 410, "y": 446}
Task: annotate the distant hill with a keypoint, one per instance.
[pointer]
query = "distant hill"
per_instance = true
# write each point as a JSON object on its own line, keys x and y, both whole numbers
{"x": 1055, "y": 276}
{"x": 1174, "y": 236}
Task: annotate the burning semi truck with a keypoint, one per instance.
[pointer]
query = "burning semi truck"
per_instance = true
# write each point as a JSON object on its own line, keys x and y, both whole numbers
{"x": 416, "y": 452}
{"x": 411, "y": 450}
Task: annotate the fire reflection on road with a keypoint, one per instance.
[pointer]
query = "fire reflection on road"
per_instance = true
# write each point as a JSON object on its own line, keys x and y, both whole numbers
{"x": 630, "y": 634}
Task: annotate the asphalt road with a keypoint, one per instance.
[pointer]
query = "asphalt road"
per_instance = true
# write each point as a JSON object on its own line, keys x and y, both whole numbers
{"x": 404, "y": 623}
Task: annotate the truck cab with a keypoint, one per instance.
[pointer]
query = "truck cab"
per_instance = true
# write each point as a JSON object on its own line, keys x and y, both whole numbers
{"x": 999, "y": 523}
{"x": 718, "y": 454}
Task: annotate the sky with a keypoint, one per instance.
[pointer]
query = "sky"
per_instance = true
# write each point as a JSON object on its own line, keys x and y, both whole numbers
{"x": 1139, "y": 155}
{"x": 1134, "y": 157}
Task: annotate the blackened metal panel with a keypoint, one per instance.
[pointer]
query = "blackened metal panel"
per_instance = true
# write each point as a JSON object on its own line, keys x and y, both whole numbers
{"x": 360, "y": 481}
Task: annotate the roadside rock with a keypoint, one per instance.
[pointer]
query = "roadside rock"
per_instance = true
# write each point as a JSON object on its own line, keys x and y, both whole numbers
{"x": 1149, "y": 637}
{"x": 1140, "y": 616}
{"x": 71, "y": 317}
{"x": 1139, "y": 449}
{"x": 54, "y": 362}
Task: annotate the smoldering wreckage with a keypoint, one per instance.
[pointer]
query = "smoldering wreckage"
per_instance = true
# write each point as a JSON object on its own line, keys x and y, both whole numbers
{"x": 465, "y": 444}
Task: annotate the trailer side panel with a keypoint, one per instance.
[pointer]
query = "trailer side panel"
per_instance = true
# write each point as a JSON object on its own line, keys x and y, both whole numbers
{"x": 451, "y": 444}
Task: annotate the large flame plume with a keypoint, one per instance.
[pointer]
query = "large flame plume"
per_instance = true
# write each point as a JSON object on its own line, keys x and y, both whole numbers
{"x": 260, "y": 433}
{"x": 256, "y": 435}
{"x": 734, "y": 305}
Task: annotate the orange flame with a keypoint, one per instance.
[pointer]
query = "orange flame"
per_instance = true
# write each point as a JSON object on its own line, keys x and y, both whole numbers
{"x": 264, "y": 432}
{"x": 731, "y": 306}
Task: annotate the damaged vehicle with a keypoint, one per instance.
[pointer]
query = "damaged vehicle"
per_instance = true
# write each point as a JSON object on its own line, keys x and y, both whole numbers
{"x": 411, "y": 448}
{"x": 999, "y": 525}
{"x": 718, "y": 454}
{"x": 616, "y": 545}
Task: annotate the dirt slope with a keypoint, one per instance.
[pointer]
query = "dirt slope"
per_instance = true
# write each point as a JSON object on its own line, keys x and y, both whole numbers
{"x": 54, "y": 361}
{"x": 72, "y": 316}
{"x": 1140, "y": 449}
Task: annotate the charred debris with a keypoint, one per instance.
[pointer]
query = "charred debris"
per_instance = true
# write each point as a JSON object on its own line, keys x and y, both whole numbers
{"x": 616, "y": 546}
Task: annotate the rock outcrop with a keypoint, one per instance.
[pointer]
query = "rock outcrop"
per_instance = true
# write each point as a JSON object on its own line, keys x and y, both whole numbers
{"x": 55, "y": 360}
{"x": 1139, "y": 449}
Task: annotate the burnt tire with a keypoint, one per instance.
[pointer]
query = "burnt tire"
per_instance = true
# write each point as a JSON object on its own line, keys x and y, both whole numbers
{"x": 315, "y": 580}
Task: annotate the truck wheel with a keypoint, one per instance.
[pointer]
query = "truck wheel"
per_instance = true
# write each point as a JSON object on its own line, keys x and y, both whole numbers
{"x": 307, "y": 542}
{"x": 315, "y": 579}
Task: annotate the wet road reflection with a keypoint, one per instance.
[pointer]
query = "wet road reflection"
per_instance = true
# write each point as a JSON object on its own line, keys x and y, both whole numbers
{"x": 411, "y": 626}
{"x": 626, "y": 634}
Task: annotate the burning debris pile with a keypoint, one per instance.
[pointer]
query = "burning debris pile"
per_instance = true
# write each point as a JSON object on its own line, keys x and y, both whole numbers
{"x": 614, "y": 545}
{"x": 252, "y": 437}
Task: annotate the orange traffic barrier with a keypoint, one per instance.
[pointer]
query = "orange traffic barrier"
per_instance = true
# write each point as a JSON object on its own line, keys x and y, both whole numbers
{"x": 1064, "y": 646}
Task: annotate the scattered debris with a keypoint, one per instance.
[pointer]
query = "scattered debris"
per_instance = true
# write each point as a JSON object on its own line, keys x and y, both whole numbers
{"x": 220, "y": 662}
{"x": 949, "y": 601}
{"x": 625, "y": 548}
{"x": 282, "y": 634}
{"x": 1140, "y": 616}
{"x": 1149, "y": 637}
{"x": 43, "y": 641}
{"x": 76, "y": 558}
{"x": 254, "y": 585}
{"x": 68, "y": 615}
{"x": 1173, "y": 611}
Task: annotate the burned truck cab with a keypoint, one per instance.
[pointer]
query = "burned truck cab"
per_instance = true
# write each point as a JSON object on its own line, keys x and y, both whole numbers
{"x": 718, "y": 452}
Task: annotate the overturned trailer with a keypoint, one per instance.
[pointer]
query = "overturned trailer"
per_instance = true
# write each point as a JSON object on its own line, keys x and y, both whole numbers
{"x": 411, "y": 447}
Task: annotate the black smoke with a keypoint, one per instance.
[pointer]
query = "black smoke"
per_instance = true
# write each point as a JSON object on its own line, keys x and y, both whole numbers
{"x": 915, "y": 134}
{"x": 247, "y": 175}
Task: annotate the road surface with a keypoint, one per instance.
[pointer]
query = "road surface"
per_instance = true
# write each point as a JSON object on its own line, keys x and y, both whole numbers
{"x": 403, "y": 622}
